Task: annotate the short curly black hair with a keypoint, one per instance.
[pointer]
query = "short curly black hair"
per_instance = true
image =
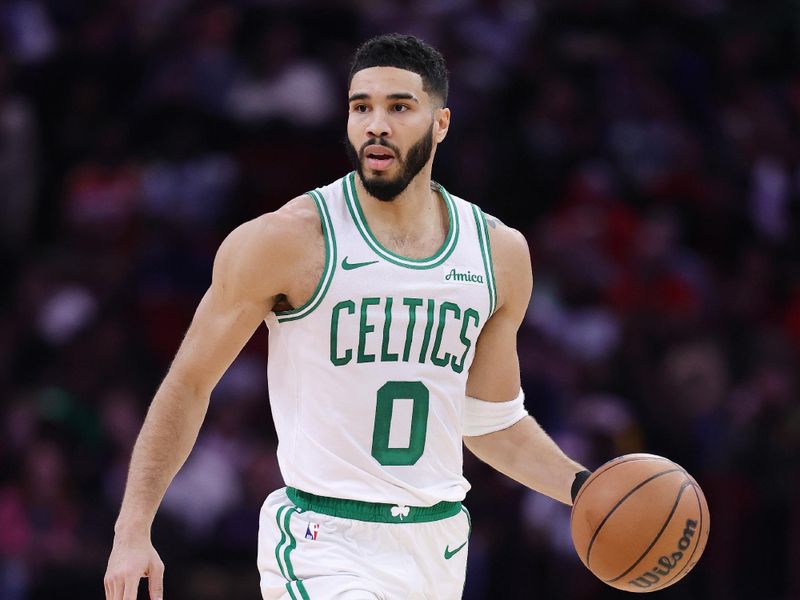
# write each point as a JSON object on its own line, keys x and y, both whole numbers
{"x": 404, "y": 52}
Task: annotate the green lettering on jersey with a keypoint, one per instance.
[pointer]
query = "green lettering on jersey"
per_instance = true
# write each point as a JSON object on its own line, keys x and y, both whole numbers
{"x": 348, "y": 354}
{"x": 445, "y": 306}
{"x": 387, "y": 356}
{"x": 364, "y": 328}
{"x": 470, "y": 277}
{"x": 470, "y": 313}
{"x": 426, "y": 338}
{"x": 412, "y": 304}
{"x": 470, "y": 323}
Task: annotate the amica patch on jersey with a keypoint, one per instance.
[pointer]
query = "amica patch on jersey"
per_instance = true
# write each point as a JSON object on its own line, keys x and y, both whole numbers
{"x": 453, "y": 274}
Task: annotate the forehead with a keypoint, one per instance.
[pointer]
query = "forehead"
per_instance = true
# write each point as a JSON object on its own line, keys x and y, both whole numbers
{"x": 381, "y": 81}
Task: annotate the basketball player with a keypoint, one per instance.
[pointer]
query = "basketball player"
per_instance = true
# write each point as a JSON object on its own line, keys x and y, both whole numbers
{"x": 393, "y": 308}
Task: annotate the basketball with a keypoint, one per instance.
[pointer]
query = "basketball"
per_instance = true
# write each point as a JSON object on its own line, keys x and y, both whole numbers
{"x": 640, "y": 523}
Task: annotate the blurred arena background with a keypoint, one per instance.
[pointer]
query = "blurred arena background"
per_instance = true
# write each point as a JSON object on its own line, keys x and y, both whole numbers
{"x": 648, "y": 149}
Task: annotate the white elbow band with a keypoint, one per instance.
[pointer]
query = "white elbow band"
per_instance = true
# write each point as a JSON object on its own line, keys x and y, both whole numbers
{"x": 481, "y": 417}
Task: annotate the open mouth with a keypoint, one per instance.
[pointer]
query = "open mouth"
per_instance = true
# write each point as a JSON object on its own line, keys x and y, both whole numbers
{"x": 378, "y": 158}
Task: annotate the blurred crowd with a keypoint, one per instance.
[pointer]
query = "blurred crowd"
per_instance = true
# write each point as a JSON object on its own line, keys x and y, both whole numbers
{"x": 648, "y": 149}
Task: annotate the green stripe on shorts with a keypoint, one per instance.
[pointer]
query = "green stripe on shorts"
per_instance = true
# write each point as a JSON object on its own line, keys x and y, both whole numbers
{"x": 281, "y": 510}
{"x": 283, "y": 554}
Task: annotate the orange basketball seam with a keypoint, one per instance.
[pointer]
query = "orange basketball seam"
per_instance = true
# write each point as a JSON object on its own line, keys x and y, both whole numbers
{"x": 688, "y": 564}
{"x": 608, "y": 466}
{"x": 599, "y": 472}
{"x": 684, "y": 485}
{"x": 619, "y": 503}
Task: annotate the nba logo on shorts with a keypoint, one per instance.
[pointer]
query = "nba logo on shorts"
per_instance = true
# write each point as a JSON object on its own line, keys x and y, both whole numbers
{"x": 312, "y": 530}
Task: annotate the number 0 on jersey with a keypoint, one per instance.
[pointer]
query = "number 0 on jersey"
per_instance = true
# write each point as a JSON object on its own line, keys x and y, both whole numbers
{"x": 385, "y": 417}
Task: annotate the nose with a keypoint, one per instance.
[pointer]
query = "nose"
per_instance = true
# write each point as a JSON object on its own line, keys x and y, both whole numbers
{"x": 378, "y": 126}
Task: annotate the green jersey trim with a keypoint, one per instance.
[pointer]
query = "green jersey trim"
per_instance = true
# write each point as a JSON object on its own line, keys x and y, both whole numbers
{"x": 469, "y": 535}
{"x": 327, "y": 272}
{"x": 354, "y": 206}
{"x": 283, "y": 552}
{"x": 374, "y": 512}
{"x": 486, "y": 254}
{"x": 469, "y": 518}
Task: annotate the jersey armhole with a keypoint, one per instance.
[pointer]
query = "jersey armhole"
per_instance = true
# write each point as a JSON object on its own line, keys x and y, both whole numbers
{"x": 486, "y": 255}
{"x": 327, "y": 272}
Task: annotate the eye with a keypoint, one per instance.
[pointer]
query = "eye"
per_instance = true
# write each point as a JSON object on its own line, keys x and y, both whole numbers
{"x": 360, "y": 108}
{"x": 400, "y": 107}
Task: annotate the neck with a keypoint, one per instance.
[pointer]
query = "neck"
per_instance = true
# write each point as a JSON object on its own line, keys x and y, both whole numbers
{"x": 416, "y": 205}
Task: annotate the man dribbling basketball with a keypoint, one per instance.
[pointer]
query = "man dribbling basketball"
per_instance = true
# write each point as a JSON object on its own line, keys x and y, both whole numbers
{"x": 393, "y": 309}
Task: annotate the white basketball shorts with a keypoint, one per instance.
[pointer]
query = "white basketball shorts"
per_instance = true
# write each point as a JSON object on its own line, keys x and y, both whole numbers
{"x": 317, "y": 548}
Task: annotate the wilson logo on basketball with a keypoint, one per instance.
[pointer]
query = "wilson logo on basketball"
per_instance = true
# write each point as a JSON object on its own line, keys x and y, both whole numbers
{"x": 667, "y": 563}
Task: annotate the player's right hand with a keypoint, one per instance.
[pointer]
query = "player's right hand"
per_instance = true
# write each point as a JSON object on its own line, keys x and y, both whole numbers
{"x": 130, "y": 560}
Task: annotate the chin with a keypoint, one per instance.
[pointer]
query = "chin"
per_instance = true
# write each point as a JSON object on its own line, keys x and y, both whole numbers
{"x": 387, "y": 174}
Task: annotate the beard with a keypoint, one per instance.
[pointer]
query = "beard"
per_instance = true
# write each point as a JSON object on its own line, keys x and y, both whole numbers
{"x": 411, "y": 164}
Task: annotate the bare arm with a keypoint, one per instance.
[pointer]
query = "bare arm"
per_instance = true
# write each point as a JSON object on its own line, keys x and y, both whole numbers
{"x": 252, "y": 267}
{"x": 523, "y": 451}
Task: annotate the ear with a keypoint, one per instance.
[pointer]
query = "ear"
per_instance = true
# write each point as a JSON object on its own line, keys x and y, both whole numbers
{"x": 441, "y": 120}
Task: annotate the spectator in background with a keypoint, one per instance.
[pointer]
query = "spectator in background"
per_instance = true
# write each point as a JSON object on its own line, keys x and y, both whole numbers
{"x": 19, "y": 159}
{"x": 280, "y": 82}
{"x": 649, "y": 151}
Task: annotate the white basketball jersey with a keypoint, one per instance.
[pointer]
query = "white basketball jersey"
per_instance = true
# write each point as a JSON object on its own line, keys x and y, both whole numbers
{"x": 367, "y": 379}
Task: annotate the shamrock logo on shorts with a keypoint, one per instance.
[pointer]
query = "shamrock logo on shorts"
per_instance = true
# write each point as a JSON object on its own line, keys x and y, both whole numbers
{"x": 401, "y": 510}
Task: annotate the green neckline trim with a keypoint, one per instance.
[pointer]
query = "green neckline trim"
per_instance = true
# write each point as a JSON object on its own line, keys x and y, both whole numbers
{"x": 356, "y": 212}
{"x": 330, "y": 264}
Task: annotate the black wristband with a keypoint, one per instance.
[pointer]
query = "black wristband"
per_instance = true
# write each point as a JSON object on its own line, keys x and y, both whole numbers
{"x": 580, "y": 479}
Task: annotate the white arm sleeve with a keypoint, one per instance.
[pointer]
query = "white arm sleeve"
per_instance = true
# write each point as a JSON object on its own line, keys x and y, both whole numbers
{"x": 481, "y": 417}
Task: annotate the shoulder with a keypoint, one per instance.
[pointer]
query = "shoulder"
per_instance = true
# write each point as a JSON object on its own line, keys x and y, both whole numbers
{"x": 511, "y": 259}
{"x": 508, "y": 244}
{"x": 282, "y": 229}
{"x": 297, "y": 216}
{"x": 268, "y": 247}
